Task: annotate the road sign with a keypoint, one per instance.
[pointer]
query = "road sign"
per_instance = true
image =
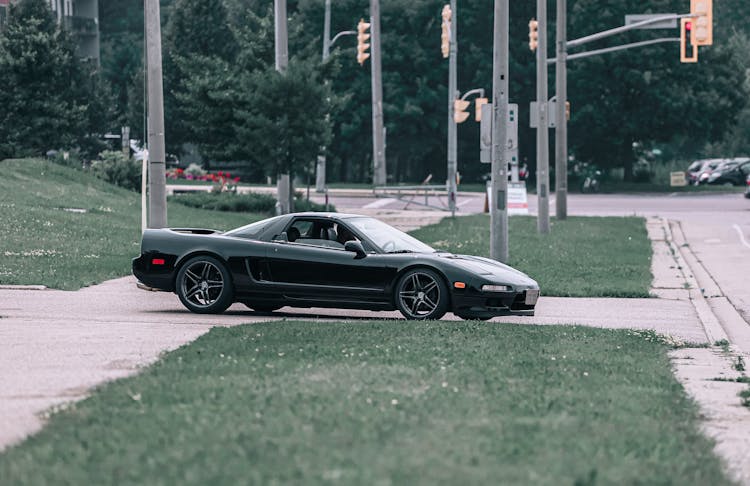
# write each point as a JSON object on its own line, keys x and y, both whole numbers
{"x": 677, "y": 179}
{"x": 517, "y": 201}
{"x": 534, "y": 114}
{"x": 663, "y": 24}
{"x": 485, "y": 134}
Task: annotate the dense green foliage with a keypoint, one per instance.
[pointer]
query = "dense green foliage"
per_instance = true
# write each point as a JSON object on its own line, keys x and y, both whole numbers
{"x": 49, "y": 98}
{"x": 641, "y": 95}
{"x": 581, "y": 257}
{"x": 384, "y": 402}
{"x": 227, "y": 201}
{"x": 115, "y": 168}
{"x": 250, "y": 202}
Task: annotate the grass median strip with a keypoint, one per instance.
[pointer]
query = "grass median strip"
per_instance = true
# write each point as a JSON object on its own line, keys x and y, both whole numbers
{"x": 66, "y": 229}
{"x": 383, "y": 402}
{"x": 581, "y": 257}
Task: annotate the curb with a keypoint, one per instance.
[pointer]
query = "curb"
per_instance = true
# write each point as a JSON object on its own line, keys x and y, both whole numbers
{"x": 23, "y": 287}
{"x": 719, "y": 318}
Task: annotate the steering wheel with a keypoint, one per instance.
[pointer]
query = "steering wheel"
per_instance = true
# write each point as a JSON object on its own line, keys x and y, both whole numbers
{"x": 389, "y": 246}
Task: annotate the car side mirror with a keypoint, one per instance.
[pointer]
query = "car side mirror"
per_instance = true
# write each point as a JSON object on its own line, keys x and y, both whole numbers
{"x": 355, "y": 247}
{"x": 283, "y": 237}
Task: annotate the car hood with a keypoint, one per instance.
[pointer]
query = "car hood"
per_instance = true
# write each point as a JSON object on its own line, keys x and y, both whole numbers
{"x": 490, "y": 268}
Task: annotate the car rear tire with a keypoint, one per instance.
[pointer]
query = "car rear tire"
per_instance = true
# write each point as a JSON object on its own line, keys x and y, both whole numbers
{"x": 204, "y": 285}
{"x": 421, "y": 294}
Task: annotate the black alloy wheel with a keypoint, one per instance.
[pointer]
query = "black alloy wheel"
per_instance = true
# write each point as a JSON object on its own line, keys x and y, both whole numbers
{"x": 204, "y": 285}
{"x": 422, "y": 294}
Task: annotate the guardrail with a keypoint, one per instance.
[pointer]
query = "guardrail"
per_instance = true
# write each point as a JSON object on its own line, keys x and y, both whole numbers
{"x": 410, "y": 193}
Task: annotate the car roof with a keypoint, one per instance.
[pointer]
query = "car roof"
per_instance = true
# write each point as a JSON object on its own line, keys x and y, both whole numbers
{"x": 328, "y": 215}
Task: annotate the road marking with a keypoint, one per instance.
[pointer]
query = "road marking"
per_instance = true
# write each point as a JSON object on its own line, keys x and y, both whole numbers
{"x": 742, "y": 236}
{"x": 465, "y": 202}
{"x": 379, "y": 203}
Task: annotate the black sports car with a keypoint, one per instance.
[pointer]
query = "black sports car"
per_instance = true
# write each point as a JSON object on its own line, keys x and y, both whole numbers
{"x": 327, "y": 260}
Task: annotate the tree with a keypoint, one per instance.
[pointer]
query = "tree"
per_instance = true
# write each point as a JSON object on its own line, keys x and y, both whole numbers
{"x": 280, "y": 122}
{"x": 646, "y": 95}
{"x": 197, "y": 35}
{"x": 43, "y": 95}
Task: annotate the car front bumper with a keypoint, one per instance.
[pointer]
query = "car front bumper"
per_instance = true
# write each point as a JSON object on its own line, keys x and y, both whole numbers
{"x": 475, "y": 303}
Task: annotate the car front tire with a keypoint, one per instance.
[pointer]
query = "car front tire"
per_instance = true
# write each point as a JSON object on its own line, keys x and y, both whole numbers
{"x": 204, "y": 285}
{"x": 421, "y": 294}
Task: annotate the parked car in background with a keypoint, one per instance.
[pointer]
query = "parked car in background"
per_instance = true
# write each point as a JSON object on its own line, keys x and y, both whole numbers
{"x": 699, "y": 167}
{"x": 747, "y": 187}
{"x": 731, "y": 171}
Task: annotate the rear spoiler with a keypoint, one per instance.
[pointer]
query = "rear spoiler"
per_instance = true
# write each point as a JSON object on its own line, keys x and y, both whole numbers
{"x": 195, "y": 231}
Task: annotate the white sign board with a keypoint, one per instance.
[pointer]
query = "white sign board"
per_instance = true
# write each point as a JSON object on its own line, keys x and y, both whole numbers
{"x": 677, "y": 179}
{"x": 518, "y": 203}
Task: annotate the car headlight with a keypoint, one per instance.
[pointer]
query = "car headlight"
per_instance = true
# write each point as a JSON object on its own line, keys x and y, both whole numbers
{"x": 495, "y": 288}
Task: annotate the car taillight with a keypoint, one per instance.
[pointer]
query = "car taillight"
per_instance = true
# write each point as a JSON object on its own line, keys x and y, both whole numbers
{"x": 157, "y": 261}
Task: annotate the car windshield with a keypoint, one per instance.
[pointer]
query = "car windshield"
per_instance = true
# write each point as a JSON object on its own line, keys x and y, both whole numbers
{"x": 388, "y": 238}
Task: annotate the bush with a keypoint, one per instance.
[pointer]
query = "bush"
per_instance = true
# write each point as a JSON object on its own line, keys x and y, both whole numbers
{"x": 70, "y": 158}
{"x": 301, "y": 205}
{"x": 117, "y": 169}
{"x": 250, "y": 203}
{"x": 228, "y": 201}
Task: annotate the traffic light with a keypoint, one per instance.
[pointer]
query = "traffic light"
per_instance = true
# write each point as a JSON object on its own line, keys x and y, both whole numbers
{"x": 445, "y": 36}
{"x": 459, "y": 111}
{"x": 688, "y": 50}
{"x": 533, "y": 34}
{"x": 362, "y": 46}
{"x": 478, "y": 108}
{"x": 567, "y": 110}
{"x": 702, "y": 33}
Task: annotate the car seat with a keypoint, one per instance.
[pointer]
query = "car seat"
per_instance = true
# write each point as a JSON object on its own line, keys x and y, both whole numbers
{"x": 292, "y": 234}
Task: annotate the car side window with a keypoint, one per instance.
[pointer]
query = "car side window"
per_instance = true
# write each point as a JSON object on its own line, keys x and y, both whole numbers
{"x": 314, "y": 233}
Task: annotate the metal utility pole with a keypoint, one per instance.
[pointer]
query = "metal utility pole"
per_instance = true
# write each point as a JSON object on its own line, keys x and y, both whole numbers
{"x": 284, "y": 192}
{"x": 499, "y": 206}
{"x": 561, "y": 125}
{"x": 157, "y": 216}
{"x": 452, "y": 125}
{"x": 542, "y": 132}
{"x": 320, "y": 170}
{"x": 378, "y": 142}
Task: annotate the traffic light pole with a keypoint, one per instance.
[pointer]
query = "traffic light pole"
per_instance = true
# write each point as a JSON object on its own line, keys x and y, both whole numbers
{"x": 452, "y": 125}
{"x": 542, "y": 132}
{"x": 157, "y": 181}
{"x": 561, "y": 125}
{"x": 499, "y": 184}
{"x": 378, "y": 140}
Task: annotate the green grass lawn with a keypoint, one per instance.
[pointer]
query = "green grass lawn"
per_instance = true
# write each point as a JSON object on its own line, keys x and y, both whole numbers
{"x": 383, "y": 402}
{"x": 581, "y": 257}
{"x": 43, "y": 243}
